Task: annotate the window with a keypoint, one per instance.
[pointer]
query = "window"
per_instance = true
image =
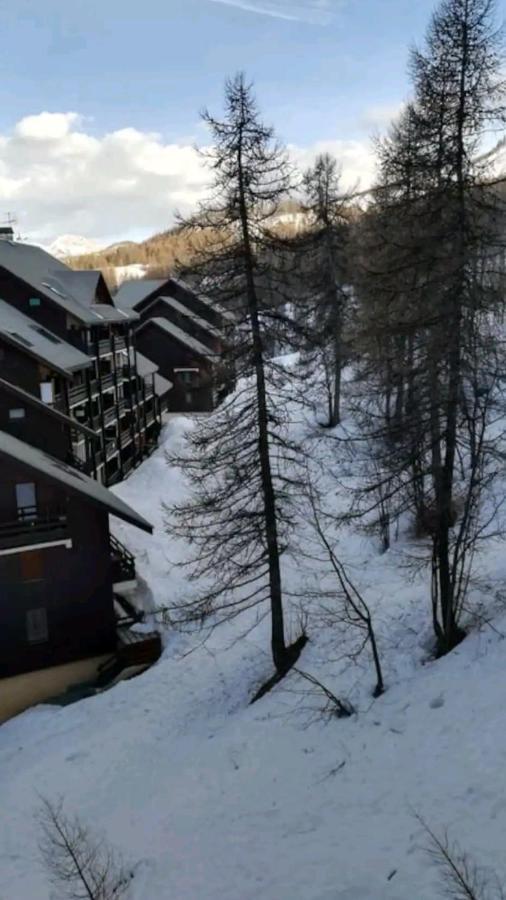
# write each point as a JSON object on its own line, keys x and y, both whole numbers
{"x": 17, "y": 413}
{"x": 34, "y": 301}
{"x": 36, "y": 626}
{"x": 26, "y": 500}
{"x": 46, "y": 391}
{"x": 188, "y": 377}
{"x": 188, "y": 398}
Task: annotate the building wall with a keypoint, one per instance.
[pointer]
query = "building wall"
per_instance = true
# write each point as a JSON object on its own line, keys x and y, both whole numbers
{"x": 36, "y": 428}
{"x": 169, "y": 355}
{"x": 74, "y": 585}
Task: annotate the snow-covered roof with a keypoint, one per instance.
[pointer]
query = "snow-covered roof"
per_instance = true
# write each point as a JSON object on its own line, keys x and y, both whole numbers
{"x": 179, "y": 335}
{"x": 82, "y": 284}
{"x": 179, "y": 307}
{"x": 133, "y": 292}
{"x": 45, "y": 274}
{"x": 145, "y": 366}
{"x": 211, "y": 304}
{"x": 74, "y": 291}
{"x": 71, "y": 479}
{"x": 112, "y": 313}
{"x": 37, "y": 341}
{"x": 162, "y": 385}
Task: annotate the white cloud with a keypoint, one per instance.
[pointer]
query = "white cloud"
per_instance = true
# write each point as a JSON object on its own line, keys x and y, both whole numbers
{"x": 381, "y": 117}
{"x": 58, "y": 179}
{"x": 46, "y": 126}
{"x": 355, "y": 159}
{"x": 316, "y": 12}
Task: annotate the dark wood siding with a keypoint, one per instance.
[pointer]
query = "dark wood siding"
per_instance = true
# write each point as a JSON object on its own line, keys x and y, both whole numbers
{"x": 74, "y": 586}
{"x": 169, "y": 355}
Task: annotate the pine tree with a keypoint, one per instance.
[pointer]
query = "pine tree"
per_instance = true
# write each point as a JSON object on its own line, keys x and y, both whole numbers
{"x": 240, "y": 463}
{"x": 324, "y": 265}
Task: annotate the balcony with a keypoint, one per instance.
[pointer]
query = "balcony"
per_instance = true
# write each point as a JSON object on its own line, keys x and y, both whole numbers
{"x": 82, "y": 465}
{"x": 104, "y": 347}
{"x": 109, "y": 415}
{"x": 34, "y": 525}
{"x": 119, "y": 342}
{"x": 78, "y": 394}
{"x": 107, "y": 381}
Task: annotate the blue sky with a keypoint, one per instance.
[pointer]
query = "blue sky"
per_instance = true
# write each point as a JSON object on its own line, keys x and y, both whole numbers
{"x": 153, "y": 63}
{"x": 123, "y": 82}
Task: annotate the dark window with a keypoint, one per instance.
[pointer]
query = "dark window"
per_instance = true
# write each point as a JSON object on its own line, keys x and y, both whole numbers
{"x": 18, "y": 413}
{"x": 36, "y": 626}
{"x": 34, "y": 301}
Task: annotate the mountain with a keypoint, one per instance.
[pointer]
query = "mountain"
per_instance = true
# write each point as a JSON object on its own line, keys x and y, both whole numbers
{"x": 73, "y": 245}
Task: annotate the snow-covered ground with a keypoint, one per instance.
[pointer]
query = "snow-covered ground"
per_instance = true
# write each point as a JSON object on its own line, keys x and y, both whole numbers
{"x": 212, "y": 799}
{"x": 130, "y": 272}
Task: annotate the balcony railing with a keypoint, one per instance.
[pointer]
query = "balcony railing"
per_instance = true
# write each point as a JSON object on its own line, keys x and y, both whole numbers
{"x": 107, "y": 381}
{"x": 34, "y": 525}
{"x": 78, "y": 394}
{"x": 82, "y": 465}
{"x": 123, "y": 561}
{"x": 110, "y": 414}
{"x": 104, "y": 347}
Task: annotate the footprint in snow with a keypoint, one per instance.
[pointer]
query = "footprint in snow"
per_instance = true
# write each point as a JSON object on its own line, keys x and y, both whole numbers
{"x": 437, "y": 702}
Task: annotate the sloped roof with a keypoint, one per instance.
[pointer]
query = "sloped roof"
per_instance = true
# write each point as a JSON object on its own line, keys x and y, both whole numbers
{"x": 49, "y": 410}
{"x": 135, "y": 291}
{"x": 179, "y": 307}
{"x": 72, "y": 480}
{"x": 132, "y": 293}
{"x": 39, "y": 342}
{"x": 211, "y": 304}
{"x": 145, "y": 366}
{"x": 162, "y": 385}
{"x": 81, "y": 284}
{"x": 113, "y": 313}
{"x": 179, "y": 335}
{"x": 45, "y": 274}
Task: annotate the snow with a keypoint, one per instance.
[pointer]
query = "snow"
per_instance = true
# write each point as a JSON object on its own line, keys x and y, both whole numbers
{"x": 73, "y": 245}
{"x": 212, "y": 799}
{"x": 130, "y": 272}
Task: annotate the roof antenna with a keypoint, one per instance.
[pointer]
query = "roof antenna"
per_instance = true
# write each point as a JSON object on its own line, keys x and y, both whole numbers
{"x": 7, "y": 228}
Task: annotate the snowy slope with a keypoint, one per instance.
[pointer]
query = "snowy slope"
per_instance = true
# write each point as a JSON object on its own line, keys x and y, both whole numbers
{"x": 212, "y": 799}
{"x": 130, "y": 272}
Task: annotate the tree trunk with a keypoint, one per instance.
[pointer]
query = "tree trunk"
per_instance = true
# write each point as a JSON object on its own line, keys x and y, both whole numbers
{"x": 278, "y": 646}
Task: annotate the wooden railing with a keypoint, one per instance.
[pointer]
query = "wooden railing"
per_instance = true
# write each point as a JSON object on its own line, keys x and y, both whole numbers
{"x": 32, "y": 525}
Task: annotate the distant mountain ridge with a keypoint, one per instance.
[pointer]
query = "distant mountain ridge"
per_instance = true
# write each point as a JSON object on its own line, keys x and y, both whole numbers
{"x": 159, "y": 254}
{"x": 73, "y": 245}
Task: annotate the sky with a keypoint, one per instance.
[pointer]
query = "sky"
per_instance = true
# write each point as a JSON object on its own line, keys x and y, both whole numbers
{"x": 101, "y": 98}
